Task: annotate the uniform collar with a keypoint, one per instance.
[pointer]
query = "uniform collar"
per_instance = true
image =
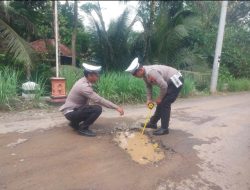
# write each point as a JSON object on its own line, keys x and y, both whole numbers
{"x": 86, "y": 80}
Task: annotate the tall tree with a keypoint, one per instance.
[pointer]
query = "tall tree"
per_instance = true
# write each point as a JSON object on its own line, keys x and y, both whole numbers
{"x": 172, "y": 31}
{"x": 110, "y": 45}
{"x": 167, "y": 29}
{"x": 146, "y": 14}
{"x": 100, "y": 28}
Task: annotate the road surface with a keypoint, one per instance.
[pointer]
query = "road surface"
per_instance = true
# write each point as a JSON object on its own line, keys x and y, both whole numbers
{"x": 208, "y": 148}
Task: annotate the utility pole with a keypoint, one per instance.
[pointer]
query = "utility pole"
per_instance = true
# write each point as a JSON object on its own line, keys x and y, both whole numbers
{"x": 56, "y": 40}
{"x": 58, "y": 84}
{"x": 74, "y": 34}
{"x": 218, "y": 49}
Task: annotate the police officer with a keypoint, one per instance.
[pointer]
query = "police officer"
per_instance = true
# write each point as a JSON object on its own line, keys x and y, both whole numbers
{"x": 170, "y": 82}
{"x": 77, "y": 108}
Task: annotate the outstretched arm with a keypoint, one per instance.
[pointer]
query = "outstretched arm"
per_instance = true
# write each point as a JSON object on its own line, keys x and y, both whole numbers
{"x": 92, "y": 95}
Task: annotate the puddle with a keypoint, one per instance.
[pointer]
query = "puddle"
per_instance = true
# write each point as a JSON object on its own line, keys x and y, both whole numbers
{"x": 140, "y": 147}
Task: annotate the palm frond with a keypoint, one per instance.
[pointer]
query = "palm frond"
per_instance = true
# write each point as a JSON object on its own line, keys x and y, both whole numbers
{"x": 16, "y": 45}
{"x": 11, "y": 16}
{"x": 181, "y": 31}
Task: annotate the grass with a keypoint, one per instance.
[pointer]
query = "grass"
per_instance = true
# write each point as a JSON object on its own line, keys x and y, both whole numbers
{"x": 239, "y": 85}
{"x": 8, "y": 86}
{"x": 200, "y": 80}
{"x": 124, "y": 88}
{"x": 10, "y": 90}
{"x": 227, "y": 82}
{"x": 188, "y": 87}
{"x": 71, "y": 74}
{"x": 40, "y": 91}
{"x": 121, "y": 88}
{"x": 116, "y": 87}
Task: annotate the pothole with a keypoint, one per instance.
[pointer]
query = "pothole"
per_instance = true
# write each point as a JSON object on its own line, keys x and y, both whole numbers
{"x": 141, "y": 148}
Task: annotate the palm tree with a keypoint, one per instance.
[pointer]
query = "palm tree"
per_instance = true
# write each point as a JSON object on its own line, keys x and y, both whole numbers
{"x": 118, "y": 33}
{"x": 111, "y": 46}
{"x": 147, "y": 13}
{"x": 16, "y": 45}
{"x": 100, "y": 28}
{"x": 167, "y": 29}
{"x": 172, "y": 32}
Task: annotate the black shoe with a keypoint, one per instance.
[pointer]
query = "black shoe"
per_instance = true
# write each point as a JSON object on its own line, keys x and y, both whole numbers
{"x": 161, "y": 131}
{"x": 74, "y": 125}
{"x": 149, "y": 125}
{"x": 86, "y": 131}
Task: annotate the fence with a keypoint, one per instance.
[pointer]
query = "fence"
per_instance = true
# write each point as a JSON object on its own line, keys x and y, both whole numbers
{"x": 201, "y": 80}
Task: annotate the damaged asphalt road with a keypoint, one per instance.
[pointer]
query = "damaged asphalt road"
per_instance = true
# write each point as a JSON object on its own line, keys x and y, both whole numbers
{"x": 208, "y": 148}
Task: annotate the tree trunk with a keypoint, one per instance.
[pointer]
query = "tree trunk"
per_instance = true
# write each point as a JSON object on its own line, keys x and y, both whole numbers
{"x": 148, "y": 28}
{"x": 74, "y": 33}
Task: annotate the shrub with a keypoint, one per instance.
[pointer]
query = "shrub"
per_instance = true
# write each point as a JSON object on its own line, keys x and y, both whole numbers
{"x": 122, "y": 88}
{"x": 188, "y": 87}
{"x": 71, "y": 74}
{"x": 239, "y": 85}
{"x": 8, "y": 86}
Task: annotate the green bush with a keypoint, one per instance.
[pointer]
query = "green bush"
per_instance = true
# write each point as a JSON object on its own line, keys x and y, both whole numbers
{"x": 239, "y": 85}
{"x": 224, "y": 74}
{"x": 9, "y": 79}
{"x": 117, "y": 87}
{"x": 41, "y": 88}
{"x": 201, "y": 80}
{"x": 10, "y": 90}
{"x": 71, "y": 74}
{"x": 188, "y": 87}
{"x": 122, "y": 88}
{"x": 227, "y": 82}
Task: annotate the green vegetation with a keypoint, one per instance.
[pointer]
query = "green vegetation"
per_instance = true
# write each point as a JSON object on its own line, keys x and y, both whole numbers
{"x": 227, "y": 82}
{"x": 10, "y": 90}
{"x": 121, "y": 88}
{"x": 188, "y": 87}
{"x": 71, "y": 74}
{"x": 239, "y": 85}
{"x": 181, "y": 34}
{"x": 8, "y": 86}
{"x": 41, "y": 87}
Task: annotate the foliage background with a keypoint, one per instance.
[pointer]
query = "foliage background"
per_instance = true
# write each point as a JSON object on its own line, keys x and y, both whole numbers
{"x": 181, "y": 34}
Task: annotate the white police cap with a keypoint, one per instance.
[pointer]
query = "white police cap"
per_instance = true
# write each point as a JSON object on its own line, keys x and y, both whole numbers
{"x": 133, "y": 66}
{"x": 91, "y": 68}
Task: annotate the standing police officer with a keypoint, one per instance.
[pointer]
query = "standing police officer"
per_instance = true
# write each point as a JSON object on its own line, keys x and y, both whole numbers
{"x": 77, "y": 108}
{"x": 170, "y": 82}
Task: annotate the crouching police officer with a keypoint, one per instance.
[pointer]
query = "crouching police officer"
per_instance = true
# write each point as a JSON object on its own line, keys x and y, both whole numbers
{"x": 169, "y": 80}
{"x": 77, "y": 108}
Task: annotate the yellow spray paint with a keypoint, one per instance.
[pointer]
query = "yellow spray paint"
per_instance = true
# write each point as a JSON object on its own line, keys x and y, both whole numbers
{"x": 150, "y": 107}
